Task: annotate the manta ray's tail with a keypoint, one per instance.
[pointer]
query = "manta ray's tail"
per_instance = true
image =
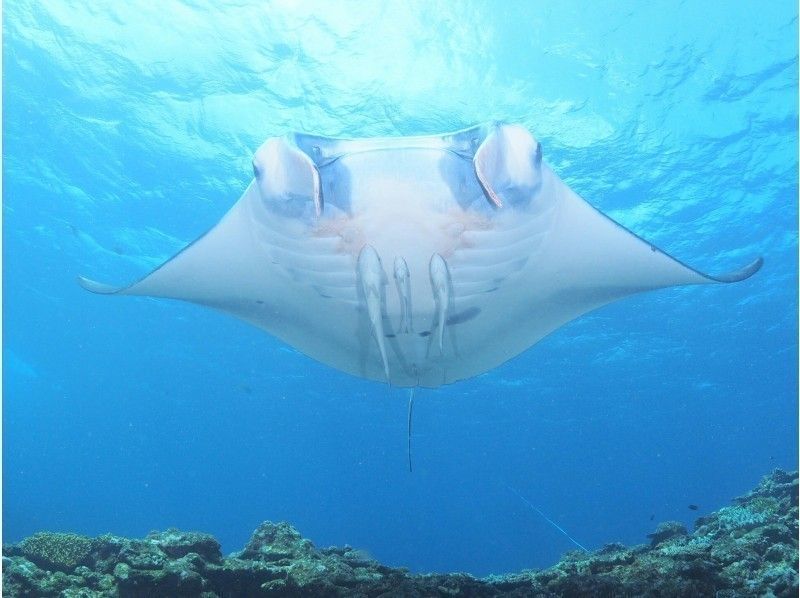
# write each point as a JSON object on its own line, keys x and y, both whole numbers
{"x": 410, "y": 412}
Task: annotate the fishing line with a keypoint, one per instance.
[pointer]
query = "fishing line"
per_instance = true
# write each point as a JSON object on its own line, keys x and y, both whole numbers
{"x": 546, "y": 518}
{"x": 512, "y": 489}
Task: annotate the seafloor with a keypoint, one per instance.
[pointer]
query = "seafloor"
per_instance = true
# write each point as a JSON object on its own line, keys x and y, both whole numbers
{"x": 747, "y": 549}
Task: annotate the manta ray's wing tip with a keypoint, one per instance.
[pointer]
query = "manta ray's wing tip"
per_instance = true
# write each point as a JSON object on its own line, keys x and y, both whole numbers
{"x": 741, "y": 274}
{"x": 97, "y": 287}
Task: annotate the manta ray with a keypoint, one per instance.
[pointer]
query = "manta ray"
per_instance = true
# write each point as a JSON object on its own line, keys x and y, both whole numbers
{"x": 416, "y": 261}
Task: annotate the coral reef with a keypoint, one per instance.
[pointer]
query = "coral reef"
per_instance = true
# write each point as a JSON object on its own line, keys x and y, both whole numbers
{"x": 747, "y": 549}
{"x": 55, "y": 551}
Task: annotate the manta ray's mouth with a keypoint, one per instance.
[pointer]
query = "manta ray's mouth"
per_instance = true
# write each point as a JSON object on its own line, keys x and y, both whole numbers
{"x": 324, "y": 150}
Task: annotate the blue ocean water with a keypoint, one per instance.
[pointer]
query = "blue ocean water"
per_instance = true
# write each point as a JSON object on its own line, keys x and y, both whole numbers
{"x": 128, "y": 130}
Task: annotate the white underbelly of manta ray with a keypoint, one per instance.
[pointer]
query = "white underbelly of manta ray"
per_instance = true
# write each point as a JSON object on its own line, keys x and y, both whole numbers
{"x": 416, "y": 261}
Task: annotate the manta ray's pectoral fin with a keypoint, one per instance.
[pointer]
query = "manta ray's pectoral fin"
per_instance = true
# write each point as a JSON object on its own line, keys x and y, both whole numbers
{"x": 737, "y": 275}
{"x": 440, "y": 282}
{"x": 371, "y": 275}
{"x": 508, "y": 165}
{"x": 99, "y": 287}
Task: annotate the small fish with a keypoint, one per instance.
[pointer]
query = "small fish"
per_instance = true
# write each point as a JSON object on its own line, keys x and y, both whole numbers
{"x": 693, "y": 507}
{"x": 653, "y": 516}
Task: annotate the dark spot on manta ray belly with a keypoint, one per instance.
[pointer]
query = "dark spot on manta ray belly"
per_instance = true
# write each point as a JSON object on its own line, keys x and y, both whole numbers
{"x": 459, "y": 318}
{"x": 463, "y": 316}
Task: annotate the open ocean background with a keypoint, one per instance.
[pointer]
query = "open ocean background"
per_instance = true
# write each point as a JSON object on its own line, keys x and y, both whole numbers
{"x": 128, "y": 130}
